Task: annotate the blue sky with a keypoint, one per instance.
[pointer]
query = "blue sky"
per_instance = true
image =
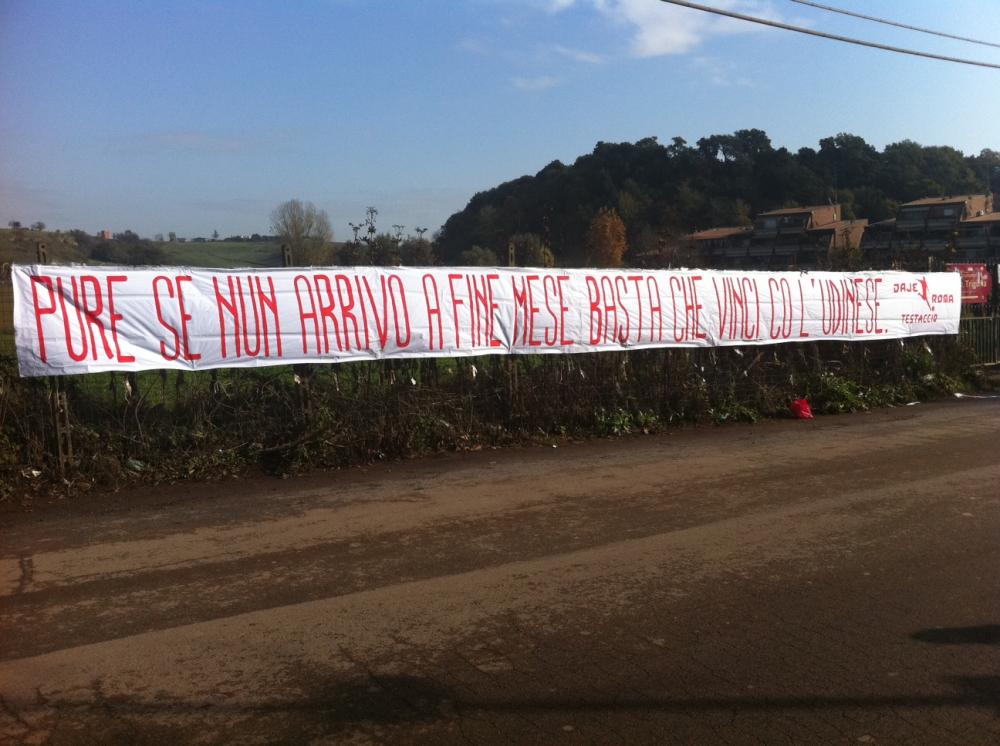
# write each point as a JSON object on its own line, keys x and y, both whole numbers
{"x": 201, "y": 116}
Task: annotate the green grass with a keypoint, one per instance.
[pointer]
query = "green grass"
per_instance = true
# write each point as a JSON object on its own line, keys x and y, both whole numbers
{"x": 223, "y": 254}
{"x": 19, "y": 246}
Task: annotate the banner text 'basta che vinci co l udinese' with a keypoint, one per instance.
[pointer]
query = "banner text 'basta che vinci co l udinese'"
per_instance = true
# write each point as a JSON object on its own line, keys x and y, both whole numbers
{"x": 77, "y": 319}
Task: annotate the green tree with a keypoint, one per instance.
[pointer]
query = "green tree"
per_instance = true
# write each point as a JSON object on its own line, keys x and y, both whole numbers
{"x": 416, "y": 252}
{"x": 531, "y": 251}
{"x": 384, "y": 250}
{"x": 306, "y": 230}
{"x": 606, "y": 244}
{"x": 477, "y": 256}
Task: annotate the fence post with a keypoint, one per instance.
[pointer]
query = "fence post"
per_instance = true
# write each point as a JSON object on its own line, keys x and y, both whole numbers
{"x": 58, "y": 401}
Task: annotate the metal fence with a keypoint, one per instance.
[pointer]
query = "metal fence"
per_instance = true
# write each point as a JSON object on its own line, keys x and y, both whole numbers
{"x": 982, "y": 334}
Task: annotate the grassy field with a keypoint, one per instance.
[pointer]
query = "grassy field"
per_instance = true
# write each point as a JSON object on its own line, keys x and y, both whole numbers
{"x": 222, "y": 254}
{"x": 18, "y": 246}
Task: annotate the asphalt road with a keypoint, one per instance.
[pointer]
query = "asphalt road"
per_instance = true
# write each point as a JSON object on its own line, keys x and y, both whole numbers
{"x": 832, "y": 581}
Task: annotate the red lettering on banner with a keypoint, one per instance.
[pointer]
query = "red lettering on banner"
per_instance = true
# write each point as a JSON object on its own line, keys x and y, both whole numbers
{"x": 802, "y": 312}
{"x": 549, "y": 288}
{"x": 77, "y": 356}
{"x": 399, "y": 295}
{"x": 182, "y": 346}
{"x": 787, "y": 309}
{"x": 115, "y": 318}
{"x": 781, "y": 326}
{"x": 268, "y": 303}
{"x": 492, "y": 310}
{"x": 532, "y": 311}
{"x": 39, "y": 311}
{"x": 325, "y": 311}
{"x": 455, "y": 303}
{"x": 655, "y": 308}
{"x": 774, "y": 330}
{"x": 367, "y": 309}
{"x": 305, "y": 315}
{"x": 691, "y": 308}
{"x": 253, "y": 351}
{"x": 93, "y": 314}
{"x": 875, "y": 305}
{"x": 637, "y": 281}
{"x": 842, "y": 306}
{"x": 610, "y": 308}
{"x": 478, "y": 298}
{"x": 229, "y": 305}
{"x": 433, "y": 310}
{"x": 621, "y": 288}
{"x": 163, "y": 322}
{"x": 753, "y": 333}
{"x": 186, "y": 317}
{"x": 381, "y": 322}
{"x": 594, "y": 298}
{"x": 734, "y": 298}
{"x": 523, "y": 315}
{"x": 563, "y": 308}
{"x": 348, "y": 317}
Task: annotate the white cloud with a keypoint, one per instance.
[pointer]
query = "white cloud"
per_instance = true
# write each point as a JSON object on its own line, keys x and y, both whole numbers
{"x": 540, "y": 83}
{"x": 661, "y": 28}
{"x": 580, "y": 55}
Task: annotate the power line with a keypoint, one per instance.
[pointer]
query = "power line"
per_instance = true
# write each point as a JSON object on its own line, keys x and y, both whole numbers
{"x": 887, "y": 22}
{"x": 824, "y": 35}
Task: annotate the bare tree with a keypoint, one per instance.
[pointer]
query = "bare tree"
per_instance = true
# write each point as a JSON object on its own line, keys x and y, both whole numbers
{"x": 306, "y": 229}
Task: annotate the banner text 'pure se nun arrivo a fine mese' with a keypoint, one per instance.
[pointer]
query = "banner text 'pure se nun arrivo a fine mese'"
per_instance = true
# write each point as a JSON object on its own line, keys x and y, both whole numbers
{"x": 78, "y": 319}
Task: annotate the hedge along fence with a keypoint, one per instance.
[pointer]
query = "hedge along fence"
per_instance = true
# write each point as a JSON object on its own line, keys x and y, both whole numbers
{"x": 159, "y": 426}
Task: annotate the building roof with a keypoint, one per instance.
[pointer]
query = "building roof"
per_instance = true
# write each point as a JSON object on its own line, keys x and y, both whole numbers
{"x": 952, "y": 199}
{"x": 840, "y": 225}
{"x": 717, "y": 233}
{"x": 794, "y": 210}
{"x": 989, "y": 217}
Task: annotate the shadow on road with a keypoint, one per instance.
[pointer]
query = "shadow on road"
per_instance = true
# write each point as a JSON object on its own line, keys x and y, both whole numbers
{"x": 395, "y": 699}
{"x": 986, "y": 634}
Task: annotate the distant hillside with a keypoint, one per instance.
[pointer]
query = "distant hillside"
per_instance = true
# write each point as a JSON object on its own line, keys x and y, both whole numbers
{"x": 664, "y": 191}
{"x": 18, "y": 246}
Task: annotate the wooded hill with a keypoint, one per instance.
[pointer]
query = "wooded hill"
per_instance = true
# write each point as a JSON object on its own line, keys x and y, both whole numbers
{"x": 662, "y": 192}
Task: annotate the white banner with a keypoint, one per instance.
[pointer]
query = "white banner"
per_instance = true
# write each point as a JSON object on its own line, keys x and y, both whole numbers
{"x": 82, "y": 319}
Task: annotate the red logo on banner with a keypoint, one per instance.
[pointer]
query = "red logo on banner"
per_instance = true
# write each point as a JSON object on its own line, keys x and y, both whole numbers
{"x": 977, "y": 282}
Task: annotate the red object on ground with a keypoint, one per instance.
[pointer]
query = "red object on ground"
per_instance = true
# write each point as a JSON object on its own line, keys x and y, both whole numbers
{"x": 801, "y": 409}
